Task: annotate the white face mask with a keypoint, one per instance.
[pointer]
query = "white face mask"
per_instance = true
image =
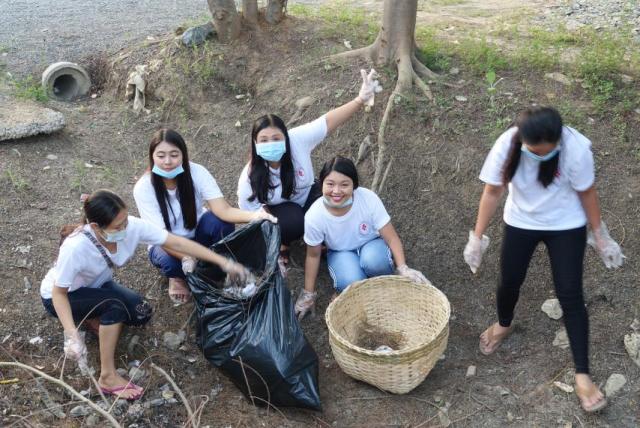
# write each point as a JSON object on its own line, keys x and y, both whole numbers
{"x": 328, "y": 202}
{"x": 118, "y": 236}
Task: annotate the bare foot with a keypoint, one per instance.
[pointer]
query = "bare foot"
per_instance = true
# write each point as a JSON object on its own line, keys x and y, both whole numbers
{"x": 492, "y": 337}
{"x": 591, "y": 398}
{"x": 178, "y": 291}
{"x": 116, "y": 385}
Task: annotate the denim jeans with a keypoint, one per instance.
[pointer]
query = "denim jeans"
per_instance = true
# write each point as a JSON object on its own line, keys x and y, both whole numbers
{"x": 372, "y": 259}
{"x": 210, "y": 229}
{"x": 111, "y": 302}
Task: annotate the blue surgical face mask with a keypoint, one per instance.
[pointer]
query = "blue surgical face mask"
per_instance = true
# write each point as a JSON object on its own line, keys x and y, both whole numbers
{"x": 271, "y": 151}
{"x": 167, "y": 174}
{"x": 115, "y": 236}
{"x": 328, "y": 202}
{"x": 539, "y": 158}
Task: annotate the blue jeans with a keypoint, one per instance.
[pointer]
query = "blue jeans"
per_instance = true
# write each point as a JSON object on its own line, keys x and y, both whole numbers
{"x": 210, "y": 229}
{"x": 111, "y": 302}
{"x": 372, "y": 259}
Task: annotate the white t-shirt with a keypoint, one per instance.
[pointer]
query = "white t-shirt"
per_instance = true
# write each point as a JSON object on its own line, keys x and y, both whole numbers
{"x": 80, "y": 263}
{"x": 529, "y": 204}
{"x": 205, "y": 189}
{"x": 302, "y": 140}
{"x": 350, "y": 231}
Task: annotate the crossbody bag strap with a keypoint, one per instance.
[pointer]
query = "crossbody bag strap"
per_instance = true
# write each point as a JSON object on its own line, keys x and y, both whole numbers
{"x": 100, "y": 248}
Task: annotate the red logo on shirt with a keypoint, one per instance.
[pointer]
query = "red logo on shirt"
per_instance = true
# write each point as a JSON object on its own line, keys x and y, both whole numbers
{"x": 364, "y": 228}
{"x": 301, "y": 172}
{"x": 557, "y": 174}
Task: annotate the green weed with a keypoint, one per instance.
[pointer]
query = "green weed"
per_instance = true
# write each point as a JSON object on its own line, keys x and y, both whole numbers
{"x": 431, "y": 51}
{"x": 341, "y": 20}
{"x": 481, "y": 56}
{"x": 79, "y": 177}
{"x": 29, "y": 89}
{"x": 18, "y": 183}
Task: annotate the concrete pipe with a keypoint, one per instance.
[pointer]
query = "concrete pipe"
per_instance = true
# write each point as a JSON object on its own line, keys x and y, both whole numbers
{"x": 65, "y": 81}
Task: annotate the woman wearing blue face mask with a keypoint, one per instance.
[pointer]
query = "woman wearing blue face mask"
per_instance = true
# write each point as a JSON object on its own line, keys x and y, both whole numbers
{"x": 280, "y": 173}
{"x": 549, "y": 173}
{"x": 80, "y": 286}
{"x": 183, "y": 198}
{"x": 354, "y": 225}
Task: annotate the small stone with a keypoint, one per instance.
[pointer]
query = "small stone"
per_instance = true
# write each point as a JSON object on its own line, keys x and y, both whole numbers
{"x": 135, "y": 412}
{"x": 134, "y": 363}
{"x": 510, "y": 417}
{"x": 471, "y": 371}
{"x": 173, "y": 340}
{"x": 36, "y": 340}
{"x": 52, "y": 157}
{"x": 46, "y": 168}
{"x": 238, "y": 124}
{"x": 168, "y": 394}
{"x": 305, "y": 102}
{"x": 461, "y": 98}
{"x": 635, "y": 325}
{"x": 626, "y": 78}
{"x": 195, "y": 36}
{"x": 347, "y": 44}
{"x": 92, "y": 420}
{"x": 88, "y": 165}
{"x": 156, "y": 402}
{"x": 192, "y": 359}
{"x": 561, "y": 340}
{"x": 171, "y": 401}
{"x": 136, "y": 374}
{"x": 552, "y": 308}
{"x": 240, "y": 96}
{"x": 122, "y": 372}
{"x": 94, "y": 96}
{"x": 80, "y": 411}
{"x": 217, "y": 388}
{"x": 614, "y": 384}
{"x": 502, "y": 390}
{"x": 632, "y": 345}
{"x": 563, "y": 386}
{"x": 27, "y": 284}
{"x": 133, "y": 342}
{"x": 559, "y": 77}
{"x": 454, "y": 71}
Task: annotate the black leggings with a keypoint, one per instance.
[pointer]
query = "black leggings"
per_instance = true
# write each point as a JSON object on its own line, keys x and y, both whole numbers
{"x": 566, "y": 253}
{"x": 291, "y": 216}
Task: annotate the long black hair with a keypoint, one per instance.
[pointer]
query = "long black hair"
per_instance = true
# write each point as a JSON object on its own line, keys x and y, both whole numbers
{"x": 259, "y": 175}
{"x": 342, "y": 165}
{"x": 185, "y": 192}
{"x": 535, "y": 125}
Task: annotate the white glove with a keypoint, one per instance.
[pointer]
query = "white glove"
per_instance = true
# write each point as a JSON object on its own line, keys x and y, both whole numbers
{"x": 370, "y": 86}
{"x": 74, "y": 347}
{"x": 608, "y": 249}
{"x": 188, "y": 264}
{"x": 411, "y": 274}
{"x": 236, "y": 271}
{"x": 474, "y": 250}
{"x": 262, "y": 214}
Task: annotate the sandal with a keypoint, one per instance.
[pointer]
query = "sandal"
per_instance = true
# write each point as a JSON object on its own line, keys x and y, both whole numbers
{"x": 488, "y": 337}
{"x": 584, "y": 396}
{"x": 178, "y": 291}
{"x": 117, "y": 391}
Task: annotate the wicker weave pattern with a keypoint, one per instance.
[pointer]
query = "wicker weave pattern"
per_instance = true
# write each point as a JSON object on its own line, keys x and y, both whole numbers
{"x": 394, "y": 304}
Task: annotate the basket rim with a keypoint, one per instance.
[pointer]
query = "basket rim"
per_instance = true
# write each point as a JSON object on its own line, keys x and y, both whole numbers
{"x": 400, "y": 352}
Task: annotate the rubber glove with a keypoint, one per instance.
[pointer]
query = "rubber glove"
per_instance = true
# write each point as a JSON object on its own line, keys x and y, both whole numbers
{"x": 262, "y": 214}
{"x": 411, "y": 274}
{"x": 74, "y": 347}
{"x": 474, "y": 250}
{"x": 188, "y": 264}
{"x": 236, "y": 271}
{"x": 306, "y": 302}
{"x": 608, "y": 249}
{"x": 370, "y": 86}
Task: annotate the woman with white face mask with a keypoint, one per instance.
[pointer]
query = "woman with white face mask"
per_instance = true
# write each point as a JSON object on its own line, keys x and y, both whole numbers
{"x": 183, "y": 198}
{"x": 279, "y": 175}
{"x": 80, "y": 287}
{"x": 549, "y": 173}
{"x": 356, "y": 228}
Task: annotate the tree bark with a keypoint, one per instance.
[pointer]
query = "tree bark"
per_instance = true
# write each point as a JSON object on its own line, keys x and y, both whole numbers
{"x": 250, "y": 11}
{"x": 275, "y": 11}
{"x": 225, "y": 18}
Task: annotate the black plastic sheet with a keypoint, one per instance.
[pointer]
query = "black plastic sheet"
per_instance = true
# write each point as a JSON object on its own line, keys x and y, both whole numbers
{"x": 257, "y": 341}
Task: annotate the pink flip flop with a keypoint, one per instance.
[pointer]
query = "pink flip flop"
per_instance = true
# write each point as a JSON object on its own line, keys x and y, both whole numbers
{"x": 119, "y": 390}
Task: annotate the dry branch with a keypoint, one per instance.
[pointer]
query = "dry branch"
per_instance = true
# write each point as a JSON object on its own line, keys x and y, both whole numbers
{"x": 180, "y": 394}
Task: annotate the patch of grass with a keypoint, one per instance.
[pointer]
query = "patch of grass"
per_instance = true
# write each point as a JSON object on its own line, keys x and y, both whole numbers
{"x": 446, "y": 2}
{"x": 431, "y": 51}
{"x": 481, "y": 56}
{"x": 29, "y": 89}
{"x": 17, "y": 182}
{"x": 79, "y": 177}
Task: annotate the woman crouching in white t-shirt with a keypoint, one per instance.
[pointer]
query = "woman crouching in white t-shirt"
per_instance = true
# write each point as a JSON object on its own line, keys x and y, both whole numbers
{"x": 183, "y": 198}
{"x": 80, "y": 286}
{"x": 280, "y": 175}
{"x": 354, "y": 225}
{"x": 548, "y": 169}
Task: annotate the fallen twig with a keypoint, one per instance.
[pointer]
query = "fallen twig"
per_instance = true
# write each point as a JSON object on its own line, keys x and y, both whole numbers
{"x": 179, "y": 392}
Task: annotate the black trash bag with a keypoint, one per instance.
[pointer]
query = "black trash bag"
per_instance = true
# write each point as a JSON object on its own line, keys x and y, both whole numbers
{"x": 257, "y": 341}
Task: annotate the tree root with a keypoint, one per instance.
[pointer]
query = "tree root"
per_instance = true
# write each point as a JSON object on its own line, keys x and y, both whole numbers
{"x": 382, "y": 146}
{"x": 365, "y": 53}
{"x": 422, "y": 86}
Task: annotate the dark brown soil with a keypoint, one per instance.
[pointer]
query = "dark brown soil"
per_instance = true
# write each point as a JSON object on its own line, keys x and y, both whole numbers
{"x": 432, "y": 195}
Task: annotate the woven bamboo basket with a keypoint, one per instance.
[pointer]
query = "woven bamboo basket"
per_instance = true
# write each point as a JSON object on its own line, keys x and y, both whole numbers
{"x": 417, "y": 313}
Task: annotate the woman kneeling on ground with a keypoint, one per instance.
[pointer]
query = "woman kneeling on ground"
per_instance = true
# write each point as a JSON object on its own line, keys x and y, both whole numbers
{"x": 354, "y": 225}
{"x": 183, "y": 198}
{"x": 80, "y": 286}
{"x": 549, "y": 172}
{"x": 280, "y": 175}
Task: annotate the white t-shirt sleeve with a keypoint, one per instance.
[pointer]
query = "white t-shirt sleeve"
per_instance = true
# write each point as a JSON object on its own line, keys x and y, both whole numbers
{"x": 491, "y": 172}
{"x": 581, "y": 170}
{"x": 149, "y": 233}
{"x": 204, "y": 182}
{"x": 145, "y": 197}
{"x": 310, "y": 134}
{"x": 380, "y": 216}
{"x": 67, "y": 267}
{"x": 313, "y": 234}
{"x": 245, "y": 192}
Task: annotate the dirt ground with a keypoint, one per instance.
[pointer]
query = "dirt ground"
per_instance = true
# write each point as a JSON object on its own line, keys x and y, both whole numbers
{"x": 431, "y": 194}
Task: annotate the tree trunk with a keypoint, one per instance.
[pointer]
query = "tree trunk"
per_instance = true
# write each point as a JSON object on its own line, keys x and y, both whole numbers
{"x": 397, "y": 34}
{"x": 250, "y": 11}
{"x": 225, "y": 18}
{"x": 275, "y": 11}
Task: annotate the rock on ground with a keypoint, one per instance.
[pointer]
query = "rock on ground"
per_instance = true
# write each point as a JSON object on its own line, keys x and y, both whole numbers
{"x": 614, "y": 384}
{"x": 19, "y": 119}
{"x": 632, "y": 345}
{"x": 552, "y": 308}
